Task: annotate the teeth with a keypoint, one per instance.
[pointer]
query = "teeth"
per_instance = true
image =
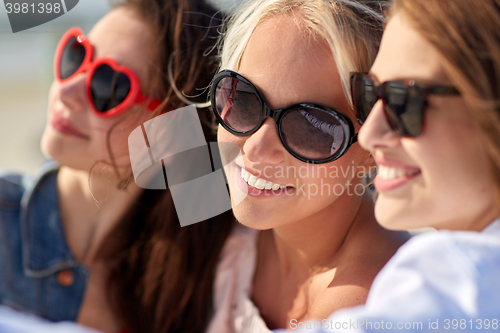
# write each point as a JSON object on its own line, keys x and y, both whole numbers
{"x": 259, "y": 183}
{"x": 252, "y": 180}
{"x": 392, "y": 173}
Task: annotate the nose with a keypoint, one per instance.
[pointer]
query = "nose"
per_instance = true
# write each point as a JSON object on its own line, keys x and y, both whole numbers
{"x": 264, "y": 145}
{"x": 376, "y": 132}
{"x": 72, "y": 93}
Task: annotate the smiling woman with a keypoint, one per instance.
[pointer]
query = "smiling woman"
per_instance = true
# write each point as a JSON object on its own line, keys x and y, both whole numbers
{"x": 427, "y": 189}
{"x": 282, "y": 97}
{"x": 81, "y": 241}
{"x": 434, "y": 131}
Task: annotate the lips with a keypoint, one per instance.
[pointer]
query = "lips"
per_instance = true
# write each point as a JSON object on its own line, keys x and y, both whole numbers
{"x": 64, "y": 127}
{"x": 393, "y": 173}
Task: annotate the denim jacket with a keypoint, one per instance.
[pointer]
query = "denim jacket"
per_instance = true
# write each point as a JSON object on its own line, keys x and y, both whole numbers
{"x": 38, "y": 273}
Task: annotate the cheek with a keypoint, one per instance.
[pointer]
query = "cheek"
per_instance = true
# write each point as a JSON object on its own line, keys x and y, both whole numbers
{"x": 351, "y": 167}
{"x": 53, "y": 93}
{"x": 452, "y": 148}
{"x": 113, "y": 133}
{"x": 225, "y": 136}
{"x": 455, "y": 180}
{"x": 343, "y": 177}
{"x": 230, "y": 145}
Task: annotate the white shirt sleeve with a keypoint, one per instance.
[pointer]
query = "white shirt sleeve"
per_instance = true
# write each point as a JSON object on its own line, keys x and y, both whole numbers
{"x": 437, "y": 282}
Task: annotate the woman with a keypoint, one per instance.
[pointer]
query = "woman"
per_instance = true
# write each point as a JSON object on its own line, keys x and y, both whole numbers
{"x": 434, "y": 126}
{"x": 299, "y": 175}
{"x": 82, "y": 242}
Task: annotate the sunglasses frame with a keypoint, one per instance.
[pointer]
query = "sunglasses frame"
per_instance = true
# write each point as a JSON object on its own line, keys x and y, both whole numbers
{"x": 278, "y": 114}
{"x": 90, "y": 66}
{"x": 380, "y": 92}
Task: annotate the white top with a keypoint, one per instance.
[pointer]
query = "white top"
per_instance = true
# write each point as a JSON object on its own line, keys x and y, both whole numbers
{"x": 234, "y": 312}
{"x": 445, "y": 281}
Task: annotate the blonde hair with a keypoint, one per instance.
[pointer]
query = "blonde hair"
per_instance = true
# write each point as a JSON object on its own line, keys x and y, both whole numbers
{"x": 352, "y": 29}
{"x": 467, "y": 35}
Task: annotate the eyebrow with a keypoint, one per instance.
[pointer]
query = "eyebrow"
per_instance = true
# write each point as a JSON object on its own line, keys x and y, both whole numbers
{"x": 421, "y": 81}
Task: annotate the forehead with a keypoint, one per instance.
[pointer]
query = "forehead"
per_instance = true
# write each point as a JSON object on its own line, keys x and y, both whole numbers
{"x": 123, "y": 36}
{"x": 404, "y": 54}
{"x": 290, "y": 66}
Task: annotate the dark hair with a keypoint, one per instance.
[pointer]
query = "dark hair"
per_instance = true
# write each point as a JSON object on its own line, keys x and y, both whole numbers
{"x": 161, "y": 275}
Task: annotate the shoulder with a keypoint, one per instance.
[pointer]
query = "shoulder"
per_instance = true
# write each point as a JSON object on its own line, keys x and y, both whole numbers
{"x": 12, "y": 188}
{"x": 364, "y": 257}
{"x": 446, "y": 271}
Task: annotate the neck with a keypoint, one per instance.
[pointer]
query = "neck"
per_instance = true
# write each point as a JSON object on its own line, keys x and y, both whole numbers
{"x": 91, "y": 206}
{"x": 314, "y": 244}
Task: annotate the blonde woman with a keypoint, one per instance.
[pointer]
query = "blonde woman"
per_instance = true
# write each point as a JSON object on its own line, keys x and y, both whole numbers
{"x": 435, "y": 125}
{"x": 283, "y": 97}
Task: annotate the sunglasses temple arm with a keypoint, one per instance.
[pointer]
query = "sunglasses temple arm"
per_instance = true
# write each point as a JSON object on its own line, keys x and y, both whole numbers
{"x": 354, "y": 139}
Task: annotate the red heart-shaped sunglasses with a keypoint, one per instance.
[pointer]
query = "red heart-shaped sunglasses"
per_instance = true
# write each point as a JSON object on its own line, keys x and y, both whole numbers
{"x": 110, "y": 88}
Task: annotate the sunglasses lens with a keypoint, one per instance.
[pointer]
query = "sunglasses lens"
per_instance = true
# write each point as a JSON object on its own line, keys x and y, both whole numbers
{"x": 311, "y": 133}
{"x": 404, "y": 108}
{"x": 364, "y": 95}
{"x": 237, "y": 104}
{"x": 108, "y": 88}
{"x": 72, "y": 58}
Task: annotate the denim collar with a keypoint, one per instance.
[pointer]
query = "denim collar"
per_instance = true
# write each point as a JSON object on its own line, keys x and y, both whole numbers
{"x": 45, "y": 250}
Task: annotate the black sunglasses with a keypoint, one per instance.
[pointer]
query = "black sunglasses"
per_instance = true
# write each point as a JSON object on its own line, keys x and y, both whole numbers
{"x": 309, "y": 132}
{"x": 404, "y": 101}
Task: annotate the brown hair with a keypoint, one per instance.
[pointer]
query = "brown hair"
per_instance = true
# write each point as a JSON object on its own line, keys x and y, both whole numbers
{"x": 161, "y": 275}
{"x": 467, "y": 35}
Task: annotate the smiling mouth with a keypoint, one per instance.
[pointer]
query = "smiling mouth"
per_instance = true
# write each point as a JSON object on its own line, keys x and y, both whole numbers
{"x": 259, "y": 183}
{"x": 386, "y": 172}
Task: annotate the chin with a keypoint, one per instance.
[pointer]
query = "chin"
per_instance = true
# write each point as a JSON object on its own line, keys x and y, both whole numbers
{"x": 258, "y": 220}
{"x": 250, "y": 218}
{"x": 247, "y": 219}
{"x": 392, "y": 218}
{"x": 62, "y": 153}
{"x": 50, "y": 146}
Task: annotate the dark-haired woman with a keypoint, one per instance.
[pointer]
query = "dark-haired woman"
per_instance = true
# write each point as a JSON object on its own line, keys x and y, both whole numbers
{"x": 81, "y": 241}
